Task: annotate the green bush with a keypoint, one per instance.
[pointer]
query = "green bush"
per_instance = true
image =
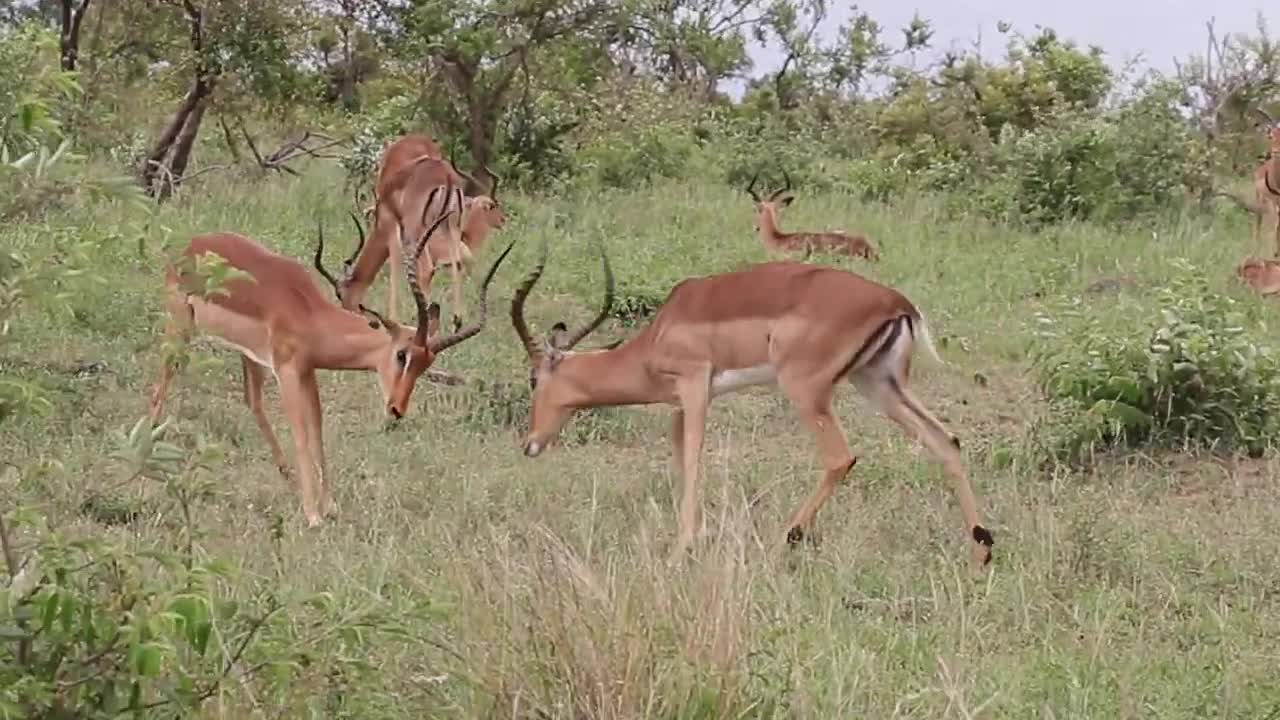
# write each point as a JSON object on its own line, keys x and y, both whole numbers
{"x": 1194, "y": 375}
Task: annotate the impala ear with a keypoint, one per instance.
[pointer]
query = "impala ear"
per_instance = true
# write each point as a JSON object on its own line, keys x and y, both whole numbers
{"x": 557, "y": 336}
{"x": 786, "y": 200}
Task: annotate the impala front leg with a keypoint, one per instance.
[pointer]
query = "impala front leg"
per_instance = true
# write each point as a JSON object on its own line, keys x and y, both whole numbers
{"x": 178, "y": 328}
{"x": 814, "y": 406}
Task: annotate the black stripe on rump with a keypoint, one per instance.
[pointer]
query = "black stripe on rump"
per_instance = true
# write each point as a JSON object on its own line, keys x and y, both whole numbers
{"x": 882, "y": 338}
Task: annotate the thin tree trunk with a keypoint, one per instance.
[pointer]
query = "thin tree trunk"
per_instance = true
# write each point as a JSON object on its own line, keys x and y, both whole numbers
{"x": 69, "y": 43}
{"x": 157, "y": 174}
{"x": 186, "y": 141}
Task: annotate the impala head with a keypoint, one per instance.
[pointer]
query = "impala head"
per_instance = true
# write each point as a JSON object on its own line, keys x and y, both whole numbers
{"x": 770, "y": 205}
{"x": 555, "y": 394}
{"x": 410, "y": 351}
{"x": 1272, "y": 130}
{"x": 485, "y": 208}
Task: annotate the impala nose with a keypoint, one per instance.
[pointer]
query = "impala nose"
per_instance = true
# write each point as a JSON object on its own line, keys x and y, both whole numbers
{"x": 532, "y": 448}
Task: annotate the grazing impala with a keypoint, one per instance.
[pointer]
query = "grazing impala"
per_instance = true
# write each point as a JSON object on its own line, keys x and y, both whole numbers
{"x": 1266, "y": 184}
{"x": 412, "y": 167}
{"x": 774, "y": 239}
{"x": 282, "y": 324}
{"x": 801, "y": 327}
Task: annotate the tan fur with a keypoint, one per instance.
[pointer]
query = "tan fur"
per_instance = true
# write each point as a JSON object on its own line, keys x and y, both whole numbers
{"x": 1266, "y": 185}
{"x": 281, "y": 322}
{"x": 1260, "y": 274}
{"x": 839, "y": 242}
{"x": 803, "y": 327}
{"x": 411, "y": 168}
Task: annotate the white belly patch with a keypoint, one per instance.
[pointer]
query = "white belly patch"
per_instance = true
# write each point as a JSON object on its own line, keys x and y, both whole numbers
{"x": 728, "y": 381}
{"x": 263, "y": 361}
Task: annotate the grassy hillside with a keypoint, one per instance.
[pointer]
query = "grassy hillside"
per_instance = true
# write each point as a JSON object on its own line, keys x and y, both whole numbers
{"x": 539, "y": 588}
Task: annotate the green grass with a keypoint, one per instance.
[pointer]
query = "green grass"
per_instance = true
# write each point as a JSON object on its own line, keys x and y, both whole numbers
{"x": 539, "y": 588}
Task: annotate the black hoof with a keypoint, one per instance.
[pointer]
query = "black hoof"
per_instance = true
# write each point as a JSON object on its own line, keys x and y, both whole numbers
{"x": 457, "y": 323}
{"x": 794, "y": 536}
{"x": 983, "y": 536}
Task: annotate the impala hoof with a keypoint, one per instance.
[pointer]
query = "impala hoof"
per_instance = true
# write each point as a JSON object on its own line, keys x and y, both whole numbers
{"x": 982, "y": 536}
{"x": 794, "y": 536}
{"x": 457, "y": 323}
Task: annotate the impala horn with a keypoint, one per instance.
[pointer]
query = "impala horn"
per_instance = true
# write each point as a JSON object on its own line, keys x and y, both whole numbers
{"x": 751, "y": 187}
{"x": 517, "y": 305}
{"x": 776, "y": 193}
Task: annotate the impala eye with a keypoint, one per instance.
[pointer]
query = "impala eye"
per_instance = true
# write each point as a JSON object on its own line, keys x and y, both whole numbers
{"x": 533, "y": 379}
{"x": 402, "y": 357}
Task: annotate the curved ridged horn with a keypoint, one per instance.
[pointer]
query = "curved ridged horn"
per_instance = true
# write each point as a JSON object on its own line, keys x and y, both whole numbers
{"x": 776, "y": 193}
{"x": 441, "y": 344}
{"x": 411, "y": 274}
{"x": 517, "y": 305}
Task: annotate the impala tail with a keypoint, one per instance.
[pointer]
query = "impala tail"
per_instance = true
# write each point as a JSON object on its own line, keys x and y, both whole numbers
{"x": 920, "y": 332}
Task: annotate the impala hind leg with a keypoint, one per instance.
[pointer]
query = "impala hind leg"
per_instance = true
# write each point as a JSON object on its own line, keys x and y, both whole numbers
{"x": 395, "y": 260}
{"x": 888, "y": 390}
{"x": 691, "y": 422}
{"x": 298, "y": 394}
{"x": 255, "y": 377}
{"x": 178, "y": 327}
{"x": 813, "y": 403}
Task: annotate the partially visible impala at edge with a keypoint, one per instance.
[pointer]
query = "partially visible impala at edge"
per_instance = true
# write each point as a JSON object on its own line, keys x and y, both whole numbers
{"x": 801, "y": 327}
{"x": 1266, "y": 184}
{"x": 282, "y": 324}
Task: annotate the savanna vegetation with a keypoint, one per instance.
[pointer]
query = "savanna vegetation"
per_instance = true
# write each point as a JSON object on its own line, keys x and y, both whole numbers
{"x": 1060, "y": 218}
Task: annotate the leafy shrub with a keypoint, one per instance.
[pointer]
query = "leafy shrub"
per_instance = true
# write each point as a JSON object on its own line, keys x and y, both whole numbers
{"x": 637, "y": 155}
{"x": 1194, "y": 376}
{"x": 32, "y": 88}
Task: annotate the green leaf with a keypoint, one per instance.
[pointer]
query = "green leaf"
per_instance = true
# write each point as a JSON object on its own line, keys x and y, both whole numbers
{"x": 149, "y": 659}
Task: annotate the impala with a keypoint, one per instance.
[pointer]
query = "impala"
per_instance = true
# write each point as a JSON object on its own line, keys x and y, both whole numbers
{"x": 282, "y": 324}
{"x": 774, "y": 239}
{"x": 801, "y": 327}
{"x": 412, "y": 167}
{"x": 1266, "y": 183}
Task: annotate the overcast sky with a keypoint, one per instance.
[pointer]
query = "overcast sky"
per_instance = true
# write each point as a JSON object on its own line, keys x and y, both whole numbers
{"x": 1158, "y": 30}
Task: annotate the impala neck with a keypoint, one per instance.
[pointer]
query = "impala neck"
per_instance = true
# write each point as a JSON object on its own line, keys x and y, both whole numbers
{"x": 603, "y": 378}
{"x": 343, "y": 340}
{"x": 475, "y": 229}
{"x": 769, "y": 233}
{"x": 1273, "y": 173}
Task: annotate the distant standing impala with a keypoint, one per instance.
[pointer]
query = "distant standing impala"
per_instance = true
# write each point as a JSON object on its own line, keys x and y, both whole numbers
{"x": 802, "y": 327}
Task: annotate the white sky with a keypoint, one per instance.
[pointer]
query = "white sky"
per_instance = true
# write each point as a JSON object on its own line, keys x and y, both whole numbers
{"x": 1158, "y": 30}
